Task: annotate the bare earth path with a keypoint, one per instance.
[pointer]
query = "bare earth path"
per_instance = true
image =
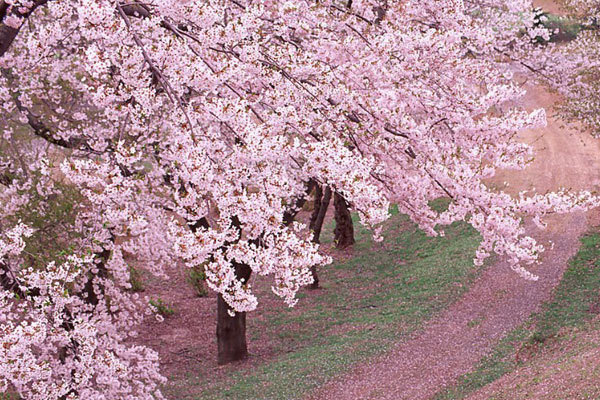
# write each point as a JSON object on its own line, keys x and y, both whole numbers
{"x": 499, "y": 300}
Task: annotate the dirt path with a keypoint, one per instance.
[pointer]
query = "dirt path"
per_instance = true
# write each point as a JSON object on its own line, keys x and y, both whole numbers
{"x": 499, "y": 300}
{"x": 551, "y": 6}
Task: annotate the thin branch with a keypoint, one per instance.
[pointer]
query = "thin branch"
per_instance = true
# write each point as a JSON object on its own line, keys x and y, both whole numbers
{"x": 157, "y": 72}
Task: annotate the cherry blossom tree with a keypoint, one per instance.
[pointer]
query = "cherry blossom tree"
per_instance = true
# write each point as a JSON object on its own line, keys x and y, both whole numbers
{"x": 574, "y": 67}
{"x": 192, "y": 131}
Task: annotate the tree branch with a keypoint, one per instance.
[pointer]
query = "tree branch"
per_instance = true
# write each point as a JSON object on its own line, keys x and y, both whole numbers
{"x": 8, "y": 33}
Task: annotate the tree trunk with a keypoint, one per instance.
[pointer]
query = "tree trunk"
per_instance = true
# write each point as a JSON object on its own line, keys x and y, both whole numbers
{"x": 320, "y": 218}
{"x": 317, "y": 207}
{"x": 231, "y": 331}
{"x": 344, "y": 228}
{"x": 322, "y": 200}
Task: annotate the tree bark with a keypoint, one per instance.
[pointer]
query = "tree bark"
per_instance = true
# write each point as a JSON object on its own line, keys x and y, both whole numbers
{"x": 344, "y": 227}
{"x": 311, "y": 226}
{"x": 317, "y": 207}
{"x": 322, "y": 200}
{"x": 320, "y": 218}
{"x": 231, "y": 330}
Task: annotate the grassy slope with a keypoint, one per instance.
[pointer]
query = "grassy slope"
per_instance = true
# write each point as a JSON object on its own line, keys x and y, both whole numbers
{"x": 566, "y": 369}
{"x": 560, "y": 321}
{"x": 367, "y": 304}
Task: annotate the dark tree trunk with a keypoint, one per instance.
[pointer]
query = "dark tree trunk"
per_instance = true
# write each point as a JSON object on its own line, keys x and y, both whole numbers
{"x": 316, "y": 208}
{"x": 322, "y": 200}
{"x": 231, "y": 331}
{"x": 315, "y": 275}
{"x": 320, "y": 218}
{"x": 344, "y": 228}
{"x": 290, "y": 214}
{"x": 311, "y": 226}
{"x": 88, "y": 294}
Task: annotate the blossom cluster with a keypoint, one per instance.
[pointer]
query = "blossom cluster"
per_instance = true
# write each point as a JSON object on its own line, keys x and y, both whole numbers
{"x": 574, "y": 69}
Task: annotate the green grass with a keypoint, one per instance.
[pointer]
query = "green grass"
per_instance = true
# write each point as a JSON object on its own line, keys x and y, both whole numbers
{"x": 367, "y": 304}
{"x": 162, "y": 308}
{"x": 577, "y": 292}
{"x": 562, "y": 28}
{"x": 136, "y": 280}
{"x": 197, "y": 280}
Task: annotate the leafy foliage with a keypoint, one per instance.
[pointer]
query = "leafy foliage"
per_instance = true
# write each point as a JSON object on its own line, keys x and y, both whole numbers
{"x": 162, "y": 308}
{"x": 197, "y": 279}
